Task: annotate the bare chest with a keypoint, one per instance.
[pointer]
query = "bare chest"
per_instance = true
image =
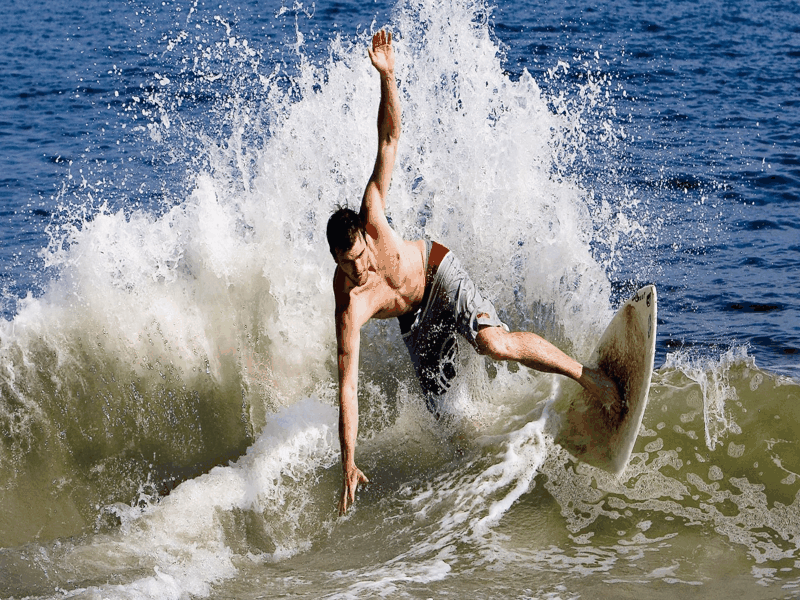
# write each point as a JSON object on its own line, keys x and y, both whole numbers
{"x": 389, "y": 298}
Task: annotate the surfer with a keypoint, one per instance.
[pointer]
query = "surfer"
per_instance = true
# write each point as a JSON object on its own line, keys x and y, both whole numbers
{"x": 379, "y": 275}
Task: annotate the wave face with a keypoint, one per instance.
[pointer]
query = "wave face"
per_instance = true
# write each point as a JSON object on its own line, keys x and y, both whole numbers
{"x": 168, "y": 401}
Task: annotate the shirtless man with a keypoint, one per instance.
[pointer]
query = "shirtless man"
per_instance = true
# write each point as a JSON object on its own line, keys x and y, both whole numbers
{"x": 379, "y": 275}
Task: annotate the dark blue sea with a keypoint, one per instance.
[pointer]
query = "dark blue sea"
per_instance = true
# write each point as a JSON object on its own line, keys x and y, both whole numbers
{"x": 167, "y": 375}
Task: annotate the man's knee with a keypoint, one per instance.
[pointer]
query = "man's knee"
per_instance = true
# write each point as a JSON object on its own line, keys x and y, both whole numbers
{"x": 494, "y": 343}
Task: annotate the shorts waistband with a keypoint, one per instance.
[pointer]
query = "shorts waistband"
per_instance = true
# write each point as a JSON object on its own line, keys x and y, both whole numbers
{"x": 435, "y": 257}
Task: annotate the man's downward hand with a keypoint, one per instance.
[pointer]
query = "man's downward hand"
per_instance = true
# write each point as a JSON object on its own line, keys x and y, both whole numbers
{"x": 352, "y": 477}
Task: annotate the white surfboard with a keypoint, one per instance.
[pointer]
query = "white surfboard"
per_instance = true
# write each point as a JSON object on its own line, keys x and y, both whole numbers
{"x": 625, "y": 353}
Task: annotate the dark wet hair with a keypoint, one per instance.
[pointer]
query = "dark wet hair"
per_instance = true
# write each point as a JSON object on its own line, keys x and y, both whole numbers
{"x": 344, "y": 227}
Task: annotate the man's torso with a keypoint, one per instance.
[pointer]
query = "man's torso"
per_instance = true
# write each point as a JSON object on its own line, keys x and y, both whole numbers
{"x": 395, "y": 284}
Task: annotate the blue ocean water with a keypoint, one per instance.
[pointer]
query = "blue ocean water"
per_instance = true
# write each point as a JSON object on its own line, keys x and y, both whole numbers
{"x": 708, "y": 92}
{"x": 167, "y": 383}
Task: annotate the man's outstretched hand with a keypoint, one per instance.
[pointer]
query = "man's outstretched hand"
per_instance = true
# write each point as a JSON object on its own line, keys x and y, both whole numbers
{"x": 352, "y": 477}
{"x": 382, "y": 54}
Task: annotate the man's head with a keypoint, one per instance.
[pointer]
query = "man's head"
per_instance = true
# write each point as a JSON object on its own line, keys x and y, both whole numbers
{"x": 344, "y": 229}
{"x": 348, "y": 245}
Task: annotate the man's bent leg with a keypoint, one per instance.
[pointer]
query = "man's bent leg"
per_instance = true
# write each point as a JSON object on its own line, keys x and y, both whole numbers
{"x": 528, "y": 349}
{"x": 537, "y": 353}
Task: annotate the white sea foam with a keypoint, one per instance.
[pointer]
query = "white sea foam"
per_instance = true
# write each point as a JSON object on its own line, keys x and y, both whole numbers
{"x": 185, "y": 539}
{"x": 475, "y": 171}
{"x": 711, "y": 374}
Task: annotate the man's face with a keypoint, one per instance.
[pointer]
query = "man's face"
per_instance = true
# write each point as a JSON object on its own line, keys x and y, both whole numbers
{"x": 355, "y": 262}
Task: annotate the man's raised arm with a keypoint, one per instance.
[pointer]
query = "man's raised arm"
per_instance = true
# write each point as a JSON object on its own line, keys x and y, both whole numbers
{"x": 373, "y": 205}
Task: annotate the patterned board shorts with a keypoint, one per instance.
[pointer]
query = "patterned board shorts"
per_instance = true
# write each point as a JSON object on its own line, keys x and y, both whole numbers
{"x": 452, "y": 305}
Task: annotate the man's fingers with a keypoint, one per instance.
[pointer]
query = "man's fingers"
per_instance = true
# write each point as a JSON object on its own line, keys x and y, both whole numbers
{"x": 349, "y": 490}
{"x": 360, "y": 478}
{"x": 381, "y": 38}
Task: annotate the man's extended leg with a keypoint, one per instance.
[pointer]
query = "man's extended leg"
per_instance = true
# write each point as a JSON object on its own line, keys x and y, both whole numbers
{"x": 537, "y": 353}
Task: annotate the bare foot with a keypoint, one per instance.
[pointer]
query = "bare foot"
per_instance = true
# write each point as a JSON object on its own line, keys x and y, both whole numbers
{"x": 601, "y": 387}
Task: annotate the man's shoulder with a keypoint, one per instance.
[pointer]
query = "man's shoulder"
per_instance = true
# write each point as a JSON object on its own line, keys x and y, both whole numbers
{"x": 349, "y": 296}
{"x": 341, "y": 288}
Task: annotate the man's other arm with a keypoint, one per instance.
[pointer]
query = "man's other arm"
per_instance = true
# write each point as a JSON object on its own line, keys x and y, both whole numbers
{"x": 348, "y": 334}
